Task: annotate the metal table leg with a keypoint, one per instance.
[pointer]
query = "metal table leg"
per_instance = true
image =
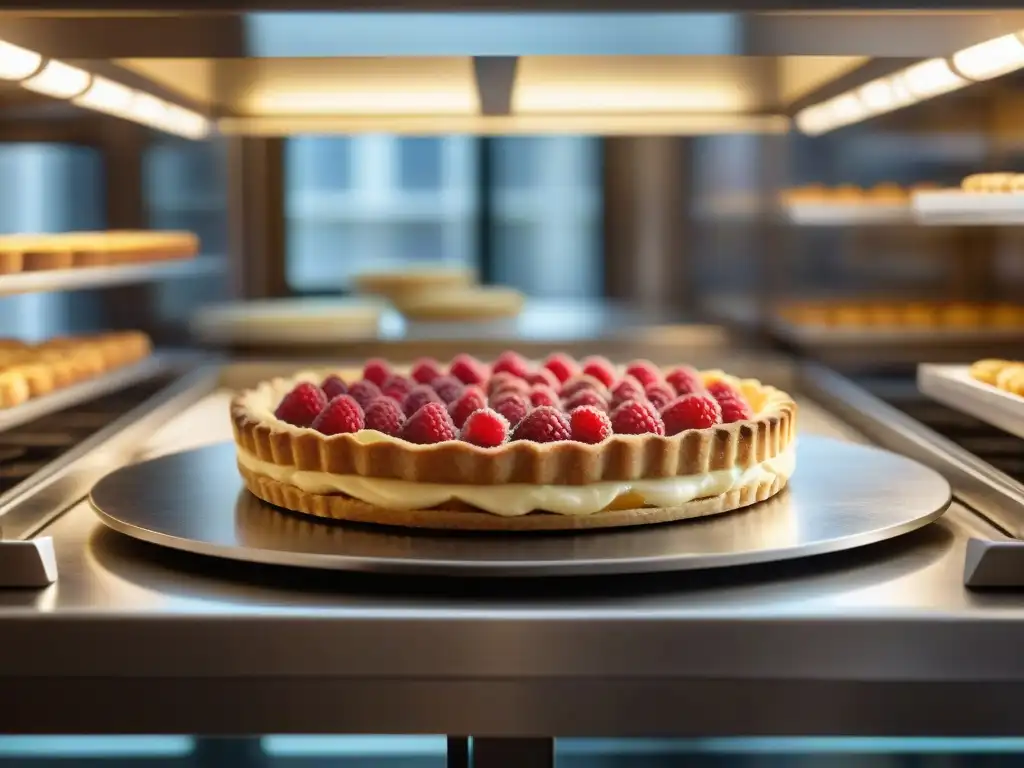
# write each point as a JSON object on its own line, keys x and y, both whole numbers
{"x": 458, "y": 752}
{"x": 513, "y": 753}
{"x": 238, "y": 753}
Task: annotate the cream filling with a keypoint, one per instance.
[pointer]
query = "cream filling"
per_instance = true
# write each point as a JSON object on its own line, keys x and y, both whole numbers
{"x": 516, "y": 499}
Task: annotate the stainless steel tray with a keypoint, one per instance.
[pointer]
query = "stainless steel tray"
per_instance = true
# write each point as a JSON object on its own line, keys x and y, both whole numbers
{"x": 83, "y": 392}
{"x": 953, "y": 386}
{"x": 843, "y": 496}
{"x": 896, "y": 344}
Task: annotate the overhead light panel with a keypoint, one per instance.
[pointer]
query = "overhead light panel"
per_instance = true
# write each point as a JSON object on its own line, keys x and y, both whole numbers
{"x": 991, "y": 58}
{"x": 17, "y": 63}
{"x": 884, "y": 95}
{"x": 57, "y": 79}
{"x": 106, "y": 96}
{"x": 931, "y": 78}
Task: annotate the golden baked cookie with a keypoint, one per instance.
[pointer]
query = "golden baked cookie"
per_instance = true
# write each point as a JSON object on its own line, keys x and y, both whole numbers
{"x": 1011, "y": 378}
{"x": 14, "y": 390}
{"x": 986, "y": 371}
{"x": 887, "y": 192}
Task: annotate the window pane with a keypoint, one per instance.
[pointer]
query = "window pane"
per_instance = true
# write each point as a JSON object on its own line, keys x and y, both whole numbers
{"x": 420, "y": 163}
{"x": 377, "y": 202}
{"x": 548, "y": 205}
{"x": 49, "y": 188}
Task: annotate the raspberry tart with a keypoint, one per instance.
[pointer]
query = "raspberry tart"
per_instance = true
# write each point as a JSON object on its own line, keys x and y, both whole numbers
{"x": 514, "y": 444}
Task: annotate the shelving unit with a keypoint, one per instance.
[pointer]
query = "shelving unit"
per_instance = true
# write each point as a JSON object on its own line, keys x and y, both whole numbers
{"x": 847, "y": 214}
{"x": 953, "y": 386}
{"x": 82, "y": 392}
{"x": 952, "y": 207}
{"x": 48, "y": 281}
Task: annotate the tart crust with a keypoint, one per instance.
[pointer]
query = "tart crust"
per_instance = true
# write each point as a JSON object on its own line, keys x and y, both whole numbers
{"x": 441, "y": 518}
{"x": 620, "y": 458}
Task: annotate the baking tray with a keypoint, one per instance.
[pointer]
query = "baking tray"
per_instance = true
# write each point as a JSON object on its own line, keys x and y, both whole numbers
{"x": 843, "y": 496}
{"x": 955, "y": 207}
{"x": 82, "y": 392}
{"x": 847, "y": 214}
{"x": 954, "y": 387}
{"x": 79, "y": 278}
{"x": 897, "y": 344}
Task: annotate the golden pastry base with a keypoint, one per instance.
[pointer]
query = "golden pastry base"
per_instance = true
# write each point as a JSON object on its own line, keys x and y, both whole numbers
{"x": 344, "y": 508}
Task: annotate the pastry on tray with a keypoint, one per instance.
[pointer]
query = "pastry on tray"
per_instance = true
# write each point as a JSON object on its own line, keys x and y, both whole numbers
{"x": 1007, "y": 375}
{"x": 400, "y": 285}
{"x": 477, "y": 303}
{"x": 989, "y": 183}
{"x": 514, "y": 446}
{"x": 28, "y": 371}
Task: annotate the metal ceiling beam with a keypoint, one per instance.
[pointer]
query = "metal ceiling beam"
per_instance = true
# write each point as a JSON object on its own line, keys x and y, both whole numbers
{"x": 495, "y": 78}
{"x": 504, "y": 6}
{"x": 298, "y": 35}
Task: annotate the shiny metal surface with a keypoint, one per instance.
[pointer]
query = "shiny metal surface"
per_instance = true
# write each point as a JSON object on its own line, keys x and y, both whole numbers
{"x": 843, "y": 496}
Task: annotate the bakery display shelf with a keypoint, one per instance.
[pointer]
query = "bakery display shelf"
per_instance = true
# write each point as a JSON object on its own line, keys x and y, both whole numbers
{"x": 957, "y": 208}
{"x": 81, "y": 278}
{"x": 954, "y": 387}
{"x": 82, "y": 392}
{"x": 116, "y": 596}
{"x": 839, "y": 214}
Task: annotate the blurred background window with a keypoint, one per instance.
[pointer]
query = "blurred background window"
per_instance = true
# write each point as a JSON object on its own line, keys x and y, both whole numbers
{"x": 383, "y": 202}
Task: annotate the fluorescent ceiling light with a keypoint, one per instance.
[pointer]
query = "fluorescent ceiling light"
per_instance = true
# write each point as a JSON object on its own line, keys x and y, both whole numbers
{"x": 106, "y": 96}
{"x": 884, "y": 95}
{"x": 847, "y": 109}
{"x": 57, "y": 79}
{"x": 187, "y": 123}
{"x": 17, "y": 63}
{"x": 991, "y": 58}
{"x": 355, "y": 101}
{"x": 931, "y": 78}
{"x": 815, "y": 120}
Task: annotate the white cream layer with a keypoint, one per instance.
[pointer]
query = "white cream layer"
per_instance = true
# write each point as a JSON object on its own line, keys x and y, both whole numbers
{"x": 516, "y": 499}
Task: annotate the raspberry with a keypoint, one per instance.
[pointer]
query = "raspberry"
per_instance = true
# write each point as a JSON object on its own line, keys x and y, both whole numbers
{"x": 448, "y": 388}
{"x": 512, "y": 406}
{"x": 397, "y": 387}
{"x": 471, "y": 399}
{"x": 543, "y": 395}
{"x": 364, "y": 392}
{"x": 694, "y": 411}
{"x": 600, "y": 368}
{"x": 685, "y": 380}
{"x": 468, "y": 369}
{"x": 659, "y": 394}
{"x": 485, "y": 428}
{"x": 342, "y": 414}
{"x": 589, "y": 424}
{"x": 419, "y": 396}
{"x": 545, "y": 377}
{"x": 376, "y": 370}
{"x": 581, "y": 382}
{"x": 430, "y": 424}
{"x": 644, "y": 371}
{"x": 722, "y": 389}
{"x": 302, "y": 405}
{"x": 637, "y": 417}
{"x": 385, "y": 415}
{"x": 587, "y": 397}
{"x": 561, "y": 365}
{"x": 735, "y": 409}
{"x": 543, "y": 425}
{"x": 511, "y": 362}
{"x": 628, "y": 388}
{"x": 506, "y": 382}
{"x": 425, "y": 370}
{"x": 333, "y": 386}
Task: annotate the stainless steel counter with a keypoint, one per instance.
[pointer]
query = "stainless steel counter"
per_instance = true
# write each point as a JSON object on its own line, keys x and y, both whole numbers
{"x": 883, "y": 640}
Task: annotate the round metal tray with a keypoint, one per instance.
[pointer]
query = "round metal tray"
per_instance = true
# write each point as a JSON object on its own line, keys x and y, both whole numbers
{"x": 842, "y": 496}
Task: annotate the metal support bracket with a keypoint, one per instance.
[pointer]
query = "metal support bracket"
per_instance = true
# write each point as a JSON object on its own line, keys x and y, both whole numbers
{"x": 28, "y": 564}
{"x": 991, "y": 564}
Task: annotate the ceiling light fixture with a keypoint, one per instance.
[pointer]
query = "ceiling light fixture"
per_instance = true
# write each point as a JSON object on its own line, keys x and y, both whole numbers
{"x": 990, "y": 59}
{"x": 57, "y": 79}
{"x": 17, "y": 63}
